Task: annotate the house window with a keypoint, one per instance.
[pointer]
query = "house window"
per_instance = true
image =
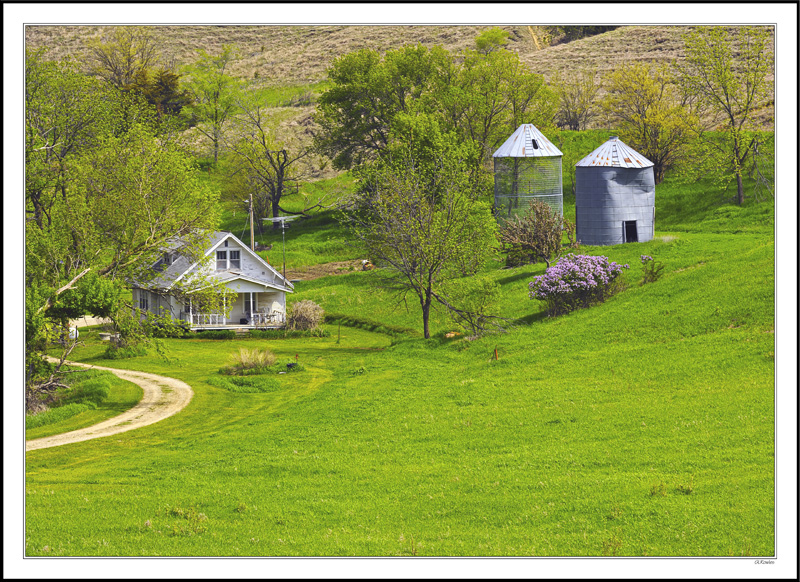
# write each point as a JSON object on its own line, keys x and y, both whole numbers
{"x": 236, "y": 261}
{"x": 222, "y": 260}
{"x": 143, "y": 302}
{"x": 167, "y": 259}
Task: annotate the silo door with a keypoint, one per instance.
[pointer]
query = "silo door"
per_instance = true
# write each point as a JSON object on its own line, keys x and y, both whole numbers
{"x": 629, "y": 231}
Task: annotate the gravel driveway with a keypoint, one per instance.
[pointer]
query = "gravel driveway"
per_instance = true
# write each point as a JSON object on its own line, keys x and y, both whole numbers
{"x": 162, "y": 398}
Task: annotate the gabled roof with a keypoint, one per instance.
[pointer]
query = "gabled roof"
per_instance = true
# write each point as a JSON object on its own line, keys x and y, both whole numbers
{"x": 527, "y": 142}
{"x": 181, "y": 266}
{"x": 616, "y": 154}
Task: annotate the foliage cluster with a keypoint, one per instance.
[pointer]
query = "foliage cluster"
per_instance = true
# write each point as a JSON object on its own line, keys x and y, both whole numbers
{"x": 304, "y": 315}
{"x": 651, "y": 269}
{"x": 536, "y": 235}
{"x": 577, "y": 95}
{"x": 86, "y": 390}
{"x": 575, "y": 282}
{"x": 477, "y": 299}
{"x": 647, "y": 105}
{"x": 481, "y": 95}
{"x": 114, "y": 352}
{"x": 250, "y": 362}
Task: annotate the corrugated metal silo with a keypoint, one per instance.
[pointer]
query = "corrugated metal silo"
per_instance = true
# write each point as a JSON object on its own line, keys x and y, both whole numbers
{"x": 527, "y": 167}
{"x": 615, "y": 196}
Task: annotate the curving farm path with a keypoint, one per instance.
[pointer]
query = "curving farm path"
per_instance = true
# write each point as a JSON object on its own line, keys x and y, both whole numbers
{"x": 162, "y": 398}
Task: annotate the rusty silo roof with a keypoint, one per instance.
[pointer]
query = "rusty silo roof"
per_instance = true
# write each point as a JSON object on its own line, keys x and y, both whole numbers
{"x": 527, "y": 142}
{"x": 615, "y": 153}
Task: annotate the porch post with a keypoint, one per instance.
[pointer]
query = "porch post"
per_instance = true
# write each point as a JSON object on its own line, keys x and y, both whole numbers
{"x": 191, "y": 320}
{"x": 252, "y": 309}
{"x": 224, "y": 311}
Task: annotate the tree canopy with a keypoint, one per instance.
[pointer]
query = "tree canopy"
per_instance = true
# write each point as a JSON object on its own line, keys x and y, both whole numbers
{"x": 726, "y": 72}
{"x": 647, "y": 106}
{"x": 419, "y": 217}
{"x": 106, "y": 190}
{"x": 215, "y": 94}
{"x": 482, "y": 95}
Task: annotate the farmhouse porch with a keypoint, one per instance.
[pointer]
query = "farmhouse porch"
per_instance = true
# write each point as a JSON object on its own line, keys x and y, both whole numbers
{"x": 250, "y": 310}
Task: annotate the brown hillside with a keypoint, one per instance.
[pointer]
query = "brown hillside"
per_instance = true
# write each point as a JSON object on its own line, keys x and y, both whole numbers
{"x": 299, "y": 55}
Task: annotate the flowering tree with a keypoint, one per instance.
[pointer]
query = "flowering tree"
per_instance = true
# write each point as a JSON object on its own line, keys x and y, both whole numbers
{"x": 576, "y": 281}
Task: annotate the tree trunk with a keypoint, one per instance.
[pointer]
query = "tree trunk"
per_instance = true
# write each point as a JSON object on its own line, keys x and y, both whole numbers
{"x": 276, "y": 212}
{"x": 739, "y": 189}
{"x": 426, "y": 311}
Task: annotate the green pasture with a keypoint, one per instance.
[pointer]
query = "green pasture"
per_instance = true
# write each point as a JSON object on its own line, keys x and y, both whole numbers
{"x": 640, "y": 427}
{"x": 95, "y": 396}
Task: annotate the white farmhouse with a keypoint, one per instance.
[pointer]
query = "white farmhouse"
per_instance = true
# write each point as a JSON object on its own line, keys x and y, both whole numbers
{"x": 260, "y": 289}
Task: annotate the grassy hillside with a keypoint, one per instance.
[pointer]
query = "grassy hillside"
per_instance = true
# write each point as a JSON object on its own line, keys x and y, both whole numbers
{"x": 298, "y": 56}
{"x": 640, "y": 427}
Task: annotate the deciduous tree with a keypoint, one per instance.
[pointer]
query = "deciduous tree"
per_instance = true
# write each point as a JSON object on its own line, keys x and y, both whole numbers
{"x": 577, "y": 93}
{"x": 418, "y": 217}
{"x": 161, "y": 89}
{"x": 269, "y": 166}
{"x": 482, "y": 94}
{"x": 648, "y": 107}
{"x": 215, "y": 94}
{"x": 367, "y": 91}
{"x": 127, "y": 51}
{"x": 727, "y": 71}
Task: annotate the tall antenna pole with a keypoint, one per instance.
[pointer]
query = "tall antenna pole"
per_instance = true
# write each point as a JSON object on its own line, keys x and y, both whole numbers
{"x": 283, "y": 220}
{"x": 252, "y": 236}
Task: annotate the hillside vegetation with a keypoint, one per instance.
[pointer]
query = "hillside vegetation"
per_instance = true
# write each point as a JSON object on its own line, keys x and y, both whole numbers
{"x": 642, "y": 426}
{"x": 300, "y": 55}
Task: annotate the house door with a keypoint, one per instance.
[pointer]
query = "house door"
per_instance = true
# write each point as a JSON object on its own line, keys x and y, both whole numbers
{"x": 629, "y": 231}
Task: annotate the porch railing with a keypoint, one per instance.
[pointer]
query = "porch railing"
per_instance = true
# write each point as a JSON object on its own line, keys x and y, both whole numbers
{"x": 207, "y": 319}
{"x": 259, "y": 318}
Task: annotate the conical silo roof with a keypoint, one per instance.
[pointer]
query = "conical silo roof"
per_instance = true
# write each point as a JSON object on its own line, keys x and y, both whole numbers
{"x": 527, "y": 142}
{"x": 615, "y": 153}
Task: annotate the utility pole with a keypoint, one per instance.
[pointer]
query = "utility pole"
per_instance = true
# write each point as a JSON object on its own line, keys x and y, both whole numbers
{"x": 252, "y": 235}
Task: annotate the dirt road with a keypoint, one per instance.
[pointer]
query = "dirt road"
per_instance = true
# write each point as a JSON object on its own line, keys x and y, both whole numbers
{"x": 162, "y": 398}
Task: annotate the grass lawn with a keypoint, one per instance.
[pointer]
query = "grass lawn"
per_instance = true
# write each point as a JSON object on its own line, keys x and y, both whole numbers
{"x": 640, "y": 427}
{"x": 122, "y": 395}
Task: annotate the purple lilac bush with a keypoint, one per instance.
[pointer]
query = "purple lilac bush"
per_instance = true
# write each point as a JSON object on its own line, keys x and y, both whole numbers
{"x": 576, "y": 281}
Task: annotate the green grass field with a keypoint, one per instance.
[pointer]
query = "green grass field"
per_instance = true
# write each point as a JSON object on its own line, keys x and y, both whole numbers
{"x": 107, "y": 397}
{"x": 640, "y": 427}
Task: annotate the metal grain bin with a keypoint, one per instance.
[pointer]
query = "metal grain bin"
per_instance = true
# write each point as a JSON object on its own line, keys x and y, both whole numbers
{"x": 527, "y": 167}
{"x": 615, "y": 196}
